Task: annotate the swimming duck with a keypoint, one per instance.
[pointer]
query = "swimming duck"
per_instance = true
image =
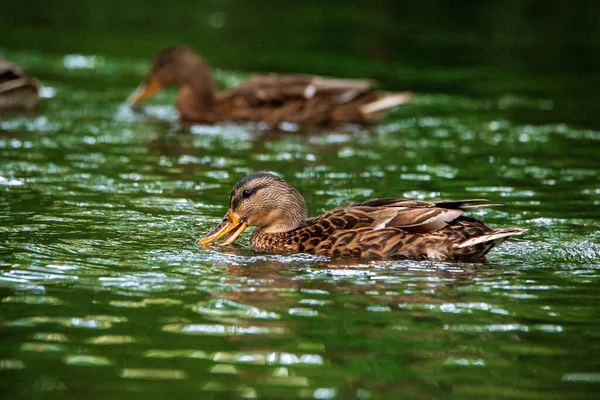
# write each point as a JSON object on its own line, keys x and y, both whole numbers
{"x": 17, "y": 91}
{"x": 272, "y": 98}
{"x": 390, "y": 228}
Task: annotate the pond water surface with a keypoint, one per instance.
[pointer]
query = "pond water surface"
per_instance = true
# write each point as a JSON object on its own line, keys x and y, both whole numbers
{"x": 104, "y": 294}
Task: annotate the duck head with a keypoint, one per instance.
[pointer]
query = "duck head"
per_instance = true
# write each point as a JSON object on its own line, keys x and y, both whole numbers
{"x": 262, "y": 200}
{"x": 176, "y": 66}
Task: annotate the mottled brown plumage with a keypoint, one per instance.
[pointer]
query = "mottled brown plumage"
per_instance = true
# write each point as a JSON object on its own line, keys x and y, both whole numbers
{"x": 272, "y": 98}
{"x": 392, "y": 228}
{"x": 17, "y": 91}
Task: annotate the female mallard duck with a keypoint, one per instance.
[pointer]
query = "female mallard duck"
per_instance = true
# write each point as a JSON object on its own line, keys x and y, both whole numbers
{"x": 302, "y": 99}
{"x": 17, "y": 91}
{"x": 392, "y": 228}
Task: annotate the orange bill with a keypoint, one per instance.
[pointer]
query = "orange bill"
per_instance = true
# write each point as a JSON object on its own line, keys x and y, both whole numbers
{"x": 230, "y": 225}
{"x": 144, "y": 92}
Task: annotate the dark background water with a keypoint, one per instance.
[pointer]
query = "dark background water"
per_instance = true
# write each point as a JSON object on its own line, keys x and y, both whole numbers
{"x": 103, "y": 293}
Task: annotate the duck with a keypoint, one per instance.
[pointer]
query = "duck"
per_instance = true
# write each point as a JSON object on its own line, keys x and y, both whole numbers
{"x": 386, "y": 229}
{"x": 272, "y": 98}
{"x": 17, "y": 91}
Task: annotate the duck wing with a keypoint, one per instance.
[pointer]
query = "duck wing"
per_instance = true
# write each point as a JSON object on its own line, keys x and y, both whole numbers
{"x": 409, "y": 215}
{"x": 308, "y": 99}
{"x": 275, "y": 88}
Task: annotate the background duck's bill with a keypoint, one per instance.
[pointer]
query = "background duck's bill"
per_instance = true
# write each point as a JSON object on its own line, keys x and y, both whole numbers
{"x": 144, "y": 92}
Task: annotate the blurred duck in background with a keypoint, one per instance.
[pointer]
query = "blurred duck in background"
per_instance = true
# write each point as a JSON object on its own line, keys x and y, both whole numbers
{"x": 271, "y": 98}
{"x": 17, "y": 91}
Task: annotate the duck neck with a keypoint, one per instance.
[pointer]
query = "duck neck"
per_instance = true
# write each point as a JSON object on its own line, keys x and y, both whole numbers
{"x": 273, "y": 241}
{"x": 196, "y": 96}
{"x": 280, "y": 235}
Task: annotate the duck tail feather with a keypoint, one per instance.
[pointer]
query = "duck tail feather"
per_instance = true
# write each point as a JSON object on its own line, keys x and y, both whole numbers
{"x": 497, "y": 236}
{"x": 477, "y": 206}
{"x": 385, "y": 102}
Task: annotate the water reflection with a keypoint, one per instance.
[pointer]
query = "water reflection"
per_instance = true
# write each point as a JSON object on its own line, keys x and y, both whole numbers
{"x": 82, "y": 360}
{"x": 267, "y": 321}
{"x": 103, "y": 291}
{"x": 144, "y": 373}
{"x": 89, "y": 322}
{"x": 222, "y": 330}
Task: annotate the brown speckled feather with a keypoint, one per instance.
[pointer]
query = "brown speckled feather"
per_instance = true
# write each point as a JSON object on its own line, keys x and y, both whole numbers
{"x": 388, "y": 229}
{"x": 301, "y": 99}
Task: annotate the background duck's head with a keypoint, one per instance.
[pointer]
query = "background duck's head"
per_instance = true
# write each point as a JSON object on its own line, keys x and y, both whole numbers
{"x": 262, "y": 200}
{"x": 175, "y": 66}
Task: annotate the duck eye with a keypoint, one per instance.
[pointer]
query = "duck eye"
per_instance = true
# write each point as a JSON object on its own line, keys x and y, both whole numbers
{"x": 246, "y": 193}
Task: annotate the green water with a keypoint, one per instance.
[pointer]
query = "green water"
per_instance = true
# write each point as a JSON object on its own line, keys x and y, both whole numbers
{"x": 103, "y": 293}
